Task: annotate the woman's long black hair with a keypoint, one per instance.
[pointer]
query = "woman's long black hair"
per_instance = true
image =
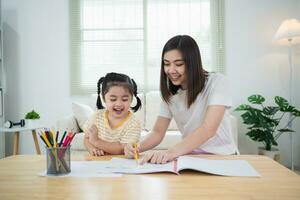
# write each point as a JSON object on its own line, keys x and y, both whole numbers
{"x": 196, "y": 75}
{"x": 117, "y": 79}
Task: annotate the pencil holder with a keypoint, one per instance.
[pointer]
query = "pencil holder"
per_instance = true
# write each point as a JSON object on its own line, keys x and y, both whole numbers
{"x": 58, "y": 160}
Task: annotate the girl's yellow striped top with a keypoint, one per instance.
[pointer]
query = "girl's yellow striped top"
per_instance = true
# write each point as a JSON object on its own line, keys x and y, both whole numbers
{"x": 127, "y": 131}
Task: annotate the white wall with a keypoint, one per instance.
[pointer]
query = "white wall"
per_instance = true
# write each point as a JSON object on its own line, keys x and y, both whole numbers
{"x": 2, "y": 136}
{"x": 36, "y": 62}
{"x": 37, "y": 65}
{"x": 255, "y": 65}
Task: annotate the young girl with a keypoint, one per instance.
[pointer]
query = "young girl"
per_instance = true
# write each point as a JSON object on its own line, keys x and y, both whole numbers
{"x": 198, "y": 101}
{"x": 110, "y": 128}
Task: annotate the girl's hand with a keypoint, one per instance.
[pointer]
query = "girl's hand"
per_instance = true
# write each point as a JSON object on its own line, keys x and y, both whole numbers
{"x": 93, "y": 134}
{"x": 157, "y": 157}
{"x": 129, "y": 150}
{"x": 96, "y": 152}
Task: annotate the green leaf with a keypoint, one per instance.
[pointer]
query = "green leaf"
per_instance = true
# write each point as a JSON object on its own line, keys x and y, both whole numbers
{"x": 281, "y": 102}
{"x": 296, "y": 112}
{"x": 288, "y": 108}
{"x": 32, "y": 115}
{"x": 243, "y": 107}
{"x": 251, "y": 117}
{"x": 270, "y": 110}
{"x": 274, "y": 143}
{"x": 285, "y": 130}
{"x": 254, "y": 126}
{"x": 260, "y": 135}
{"x": 268, "y": 122}
{"x": 256, "y": 99}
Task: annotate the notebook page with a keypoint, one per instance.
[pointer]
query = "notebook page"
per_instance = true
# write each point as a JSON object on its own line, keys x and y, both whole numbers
{"x": 129, "y": 166}
{"x": 218, "y": 167}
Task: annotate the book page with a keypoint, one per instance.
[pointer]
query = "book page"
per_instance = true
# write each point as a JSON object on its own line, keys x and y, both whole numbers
{"x": 130, "y": 166}
{"x": 218, "y": 167}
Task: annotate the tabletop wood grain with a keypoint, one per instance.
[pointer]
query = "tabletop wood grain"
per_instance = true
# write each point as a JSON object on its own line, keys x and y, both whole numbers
{"x": 19, "y": 179}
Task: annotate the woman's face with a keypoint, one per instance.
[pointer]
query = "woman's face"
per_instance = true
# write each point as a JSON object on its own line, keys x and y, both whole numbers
{"x": 118, "y": 101}
{"x": 174, "y": 67}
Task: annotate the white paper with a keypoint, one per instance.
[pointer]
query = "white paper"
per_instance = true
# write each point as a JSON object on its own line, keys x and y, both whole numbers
{"x": 129, "y": 166}
{"x": 218, "y": 167}
{"x": 87, "y": 169}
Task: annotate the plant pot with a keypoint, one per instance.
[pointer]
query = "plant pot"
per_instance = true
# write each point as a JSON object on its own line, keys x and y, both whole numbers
{"x": 30, "y": 123}
{"x": 273, "y": 154}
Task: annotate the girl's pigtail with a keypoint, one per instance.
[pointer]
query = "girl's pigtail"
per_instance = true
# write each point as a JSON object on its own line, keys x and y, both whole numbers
{"x": 138, "y": 104}
{"x": 99, "y": 103}
{"x": 138, "y": 100}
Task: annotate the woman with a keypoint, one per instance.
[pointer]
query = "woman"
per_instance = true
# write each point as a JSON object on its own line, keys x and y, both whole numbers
{"x": 198, "y": 101}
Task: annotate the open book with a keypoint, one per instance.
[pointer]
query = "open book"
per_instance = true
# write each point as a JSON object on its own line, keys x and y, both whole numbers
{"x": 217, "y": 167}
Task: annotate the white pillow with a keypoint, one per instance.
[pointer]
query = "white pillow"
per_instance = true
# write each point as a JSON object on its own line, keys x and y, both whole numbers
{"x": 93, "y": 100}
{"x": 82, "y": 113}
{"x": 153, "y": 100}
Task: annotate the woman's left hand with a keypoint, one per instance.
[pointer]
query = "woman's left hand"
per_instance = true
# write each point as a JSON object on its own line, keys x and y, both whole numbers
{"x": 157, "y": 157}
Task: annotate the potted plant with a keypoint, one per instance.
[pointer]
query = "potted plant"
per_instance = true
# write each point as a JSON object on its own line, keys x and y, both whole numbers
{"x": 264, "y": 122}
{"x": 31, "y": 118}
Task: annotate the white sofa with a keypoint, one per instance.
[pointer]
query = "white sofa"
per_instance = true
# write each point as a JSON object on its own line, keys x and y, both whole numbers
{"x": 147, "y": 115}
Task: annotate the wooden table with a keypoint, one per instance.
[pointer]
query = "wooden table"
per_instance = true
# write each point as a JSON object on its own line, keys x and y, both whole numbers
{"x": 17, "y": 131}
{"x": 19, "y": 180}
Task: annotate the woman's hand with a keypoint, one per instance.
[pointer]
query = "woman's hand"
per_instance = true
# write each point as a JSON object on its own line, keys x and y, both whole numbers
{"x": 158, "y": 157}
{"x": 129, "y": 150}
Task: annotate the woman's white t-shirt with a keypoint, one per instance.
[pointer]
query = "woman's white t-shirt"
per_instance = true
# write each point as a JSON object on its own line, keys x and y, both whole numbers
{"x": 215, "y": 92}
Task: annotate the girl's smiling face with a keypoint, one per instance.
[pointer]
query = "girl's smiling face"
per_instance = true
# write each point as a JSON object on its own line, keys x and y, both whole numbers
{"x": 118, "y": 101}
{"x": 174, "y": 67}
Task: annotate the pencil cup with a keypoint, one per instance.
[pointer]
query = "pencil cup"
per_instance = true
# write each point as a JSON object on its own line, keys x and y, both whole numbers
{"x": 58, "y": 160}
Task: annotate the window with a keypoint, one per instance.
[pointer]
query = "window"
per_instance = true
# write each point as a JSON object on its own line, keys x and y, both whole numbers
{"x": 127, "y": 36}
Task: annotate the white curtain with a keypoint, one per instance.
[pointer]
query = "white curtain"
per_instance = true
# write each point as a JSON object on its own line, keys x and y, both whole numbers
{"x": 127, "y": 36}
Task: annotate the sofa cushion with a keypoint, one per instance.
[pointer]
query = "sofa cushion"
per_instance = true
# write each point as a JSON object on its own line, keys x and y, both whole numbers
{"x": 68, "y": 123}
{"x": 77, "y": 142}
{"x": 170, "y": 139}
{"x": 153, "y": 100}
{"x": 82, "y": 113}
